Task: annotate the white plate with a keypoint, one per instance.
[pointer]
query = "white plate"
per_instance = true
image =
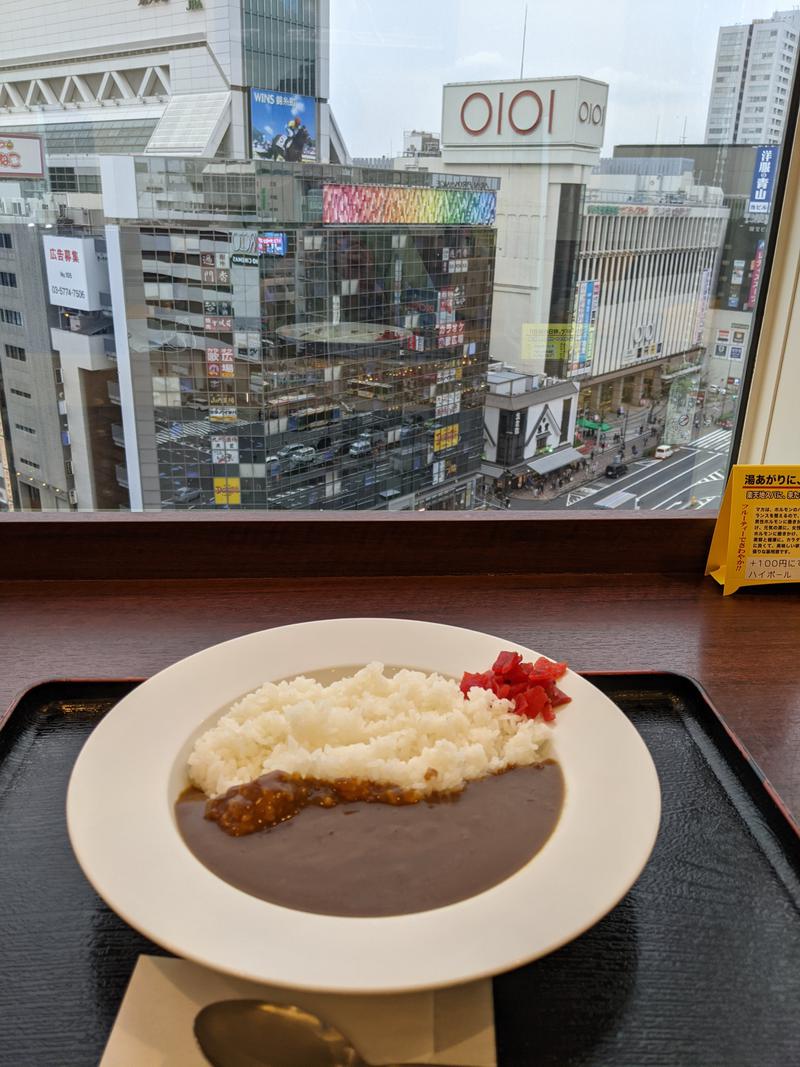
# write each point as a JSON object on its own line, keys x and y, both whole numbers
{"x": 132, "y": 768}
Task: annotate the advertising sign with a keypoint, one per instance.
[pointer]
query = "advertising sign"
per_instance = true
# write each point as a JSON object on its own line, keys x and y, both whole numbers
{"x": 271, "y": 244}
{"x": 227, "y": 491}
{"x": 217, "y": 323}
{"x": 585, "y": 318}
{"x": 283, "y": 126}
{"x": 220, "y": 362}
{"x": 407, "y": 204}
{"x": 21, "y": 156}
{"x": 764, "y": 172}
{"x": 497, "y": 118}
{"x": 76, "y": 272}
{"x": 225, "y": 449}
{"x": 704, "y": 297}
{"x": 755, "y": 273}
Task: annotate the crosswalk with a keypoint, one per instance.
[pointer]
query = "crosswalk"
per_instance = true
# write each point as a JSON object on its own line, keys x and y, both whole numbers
{"x": 715, "y": 476}
{"x": 714, "y": 441}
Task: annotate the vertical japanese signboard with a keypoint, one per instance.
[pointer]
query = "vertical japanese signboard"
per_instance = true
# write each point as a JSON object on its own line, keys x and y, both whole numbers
{"x": 585, "y": 319}
{"x": 764, "y": 172}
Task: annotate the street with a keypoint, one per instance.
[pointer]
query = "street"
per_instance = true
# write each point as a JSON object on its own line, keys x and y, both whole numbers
{"x": 693, "y": 478}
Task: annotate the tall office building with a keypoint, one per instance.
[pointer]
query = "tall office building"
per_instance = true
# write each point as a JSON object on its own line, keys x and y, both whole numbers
{"x": 752, "y": 79}
{"x": 168, "y": 79}
{"x": 299, "y": 336}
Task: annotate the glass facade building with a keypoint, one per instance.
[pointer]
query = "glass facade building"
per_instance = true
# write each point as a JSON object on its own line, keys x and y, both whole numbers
{"x": 307, "y": 337}
{"x": 280, "y": 44}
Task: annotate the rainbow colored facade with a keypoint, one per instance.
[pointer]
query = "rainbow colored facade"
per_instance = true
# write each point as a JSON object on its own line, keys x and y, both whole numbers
{"x": 391, "y": 204}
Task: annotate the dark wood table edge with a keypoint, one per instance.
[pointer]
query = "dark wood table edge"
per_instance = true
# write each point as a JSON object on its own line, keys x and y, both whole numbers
{"x": 255, "y": 545}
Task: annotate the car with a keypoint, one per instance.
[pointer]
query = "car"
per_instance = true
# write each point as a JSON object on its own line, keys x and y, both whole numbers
{"x": 362, "y": 446}
{"x": 616, "y": 470}
{"x": 288, "y": 450}
{"x": 185, "y": 494}
{"x": 664, "y": 452}
{"x": 302, "y": 455}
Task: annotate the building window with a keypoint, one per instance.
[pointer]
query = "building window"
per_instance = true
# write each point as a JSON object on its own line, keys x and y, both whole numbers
{"x": 11, "y": 316}
{"x": 5, "y": 240}
{"x": 15, "y": 352}
{"x": 8, "y": 279}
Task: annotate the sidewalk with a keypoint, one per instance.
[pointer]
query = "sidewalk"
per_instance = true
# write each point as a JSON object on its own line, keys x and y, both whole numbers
{"x": 595, "y": 467}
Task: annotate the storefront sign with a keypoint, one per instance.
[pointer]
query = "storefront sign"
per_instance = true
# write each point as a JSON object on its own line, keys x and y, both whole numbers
{"x": 764, "y": 171}
{"x": 523, "y": 114}
{"x": 227, "y": 491}
{"x": 239, "y": 259}
{"x": 76, "y": 272}
{"x": 21, "y": 156}
{"x": 757, "y": 536}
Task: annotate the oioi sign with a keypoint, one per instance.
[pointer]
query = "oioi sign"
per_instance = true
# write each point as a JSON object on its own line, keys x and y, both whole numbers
{"x": 500, "y": 119}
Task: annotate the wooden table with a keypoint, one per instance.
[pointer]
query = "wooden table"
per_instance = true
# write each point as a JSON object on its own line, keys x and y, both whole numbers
{"x": 742, "y": 649}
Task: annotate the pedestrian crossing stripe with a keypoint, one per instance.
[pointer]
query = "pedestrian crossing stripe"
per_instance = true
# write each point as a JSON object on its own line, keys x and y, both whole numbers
{"x": 716, "y": 440}
{"x": 715, "y": 476}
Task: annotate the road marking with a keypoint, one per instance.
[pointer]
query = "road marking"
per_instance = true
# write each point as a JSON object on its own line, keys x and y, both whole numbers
{"x": 715, "y": 476}
{"x": 677, "y": 504}
{"x": 720, "y": 440}
{"x": 666, "y": 499}
{"x": 663, "y": 465}
{"x": 711, "y": 459}
{"x": 614, "y": 500}
{"x": 580, "y": 494}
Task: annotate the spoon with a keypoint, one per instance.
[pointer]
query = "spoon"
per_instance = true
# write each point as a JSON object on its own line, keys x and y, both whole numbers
{"x": 255, "y": 1033}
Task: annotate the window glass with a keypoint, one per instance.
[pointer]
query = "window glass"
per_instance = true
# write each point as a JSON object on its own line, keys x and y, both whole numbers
{"x": 370, "y": 256}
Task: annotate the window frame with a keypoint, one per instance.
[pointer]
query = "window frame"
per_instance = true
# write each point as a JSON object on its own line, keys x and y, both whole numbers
{"x": 316, "y": 544}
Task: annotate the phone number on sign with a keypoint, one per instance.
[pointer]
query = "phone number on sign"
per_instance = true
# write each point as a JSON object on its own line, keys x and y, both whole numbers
{"x": 63, "y": 290}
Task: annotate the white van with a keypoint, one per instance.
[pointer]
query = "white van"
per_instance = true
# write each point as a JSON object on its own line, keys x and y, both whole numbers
{"x": 664, "y": 452}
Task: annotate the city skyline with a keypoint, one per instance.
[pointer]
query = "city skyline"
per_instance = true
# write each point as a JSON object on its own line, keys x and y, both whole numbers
{"x": 659, "y": 88}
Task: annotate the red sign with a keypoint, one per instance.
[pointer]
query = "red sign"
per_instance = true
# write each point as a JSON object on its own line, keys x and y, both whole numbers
{"x": 65, "y": 255}
{"x": 511, "y": 113}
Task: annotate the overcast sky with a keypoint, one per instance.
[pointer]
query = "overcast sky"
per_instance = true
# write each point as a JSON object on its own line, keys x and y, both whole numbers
{"x": 390, "y": 58}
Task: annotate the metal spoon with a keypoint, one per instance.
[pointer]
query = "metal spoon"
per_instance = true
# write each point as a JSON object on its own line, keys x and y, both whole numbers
{"x": 254, "y": 1033}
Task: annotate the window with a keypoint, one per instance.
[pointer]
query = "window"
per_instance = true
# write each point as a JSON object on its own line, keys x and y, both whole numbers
{"x": 8, "y": 279}
{"x": 5, "y": 240}
{"x": 419, "y": 328}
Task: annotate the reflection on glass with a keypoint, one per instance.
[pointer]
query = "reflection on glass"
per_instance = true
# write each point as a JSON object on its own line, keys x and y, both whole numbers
{"x": 213, "y": 295}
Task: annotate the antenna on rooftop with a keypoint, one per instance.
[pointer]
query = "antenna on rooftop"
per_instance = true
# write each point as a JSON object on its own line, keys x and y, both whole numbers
{"x": 524, "y": 35}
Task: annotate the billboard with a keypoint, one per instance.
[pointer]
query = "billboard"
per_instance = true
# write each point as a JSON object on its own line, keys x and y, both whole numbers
{"x": 76, "y": 273}
{"x": 283, "y": 126}
{"x": 585, "y": 320}
{"x": 21, "y": 156}
{"x": 271, "y": 244}
{"x": 407, "y": 204}
{"x": 764, "y": 171}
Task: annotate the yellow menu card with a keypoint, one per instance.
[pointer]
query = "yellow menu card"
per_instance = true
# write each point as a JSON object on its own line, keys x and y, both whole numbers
{"x": 757, "y": 537}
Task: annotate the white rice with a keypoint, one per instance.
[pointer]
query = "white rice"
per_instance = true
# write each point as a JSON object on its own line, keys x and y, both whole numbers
{"x": 395, "y": 729}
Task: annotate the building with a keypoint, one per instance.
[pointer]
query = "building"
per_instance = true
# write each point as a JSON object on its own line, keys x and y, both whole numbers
{"x": 216, "y": 77}
{"x": 647, "y": 262}
{"x": 737, "y": 170}
{"x": 299, "y": 336}
{"x": 166, "y": 79}
{"x": 421, "y": 143}
{"x": 56, "y": 379}
{"x": 529, "y": 427}
{"x": 752, "y": 79}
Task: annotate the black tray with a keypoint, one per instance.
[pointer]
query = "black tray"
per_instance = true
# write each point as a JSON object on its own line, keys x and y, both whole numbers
{"x": 699, "y": 965}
